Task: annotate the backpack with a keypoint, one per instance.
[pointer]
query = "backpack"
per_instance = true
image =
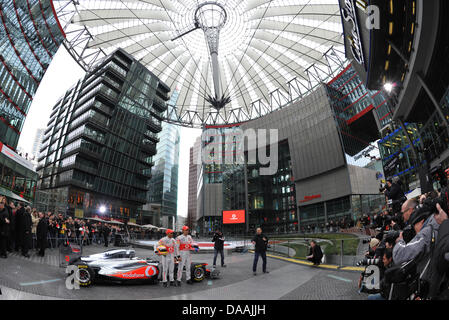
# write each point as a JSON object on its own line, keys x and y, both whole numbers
{"x": 440, "y": 264}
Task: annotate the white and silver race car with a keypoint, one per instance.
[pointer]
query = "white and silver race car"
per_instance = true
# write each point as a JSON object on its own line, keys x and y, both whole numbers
{"x": 122, "y": 266}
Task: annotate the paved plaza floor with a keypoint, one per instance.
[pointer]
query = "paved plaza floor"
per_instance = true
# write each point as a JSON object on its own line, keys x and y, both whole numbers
{"x": 42, "y": 278}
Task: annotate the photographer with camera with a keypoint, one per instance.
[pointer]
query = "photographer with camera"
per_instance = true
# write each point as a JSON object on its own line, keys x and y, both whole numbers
{"x": 407, "y": 209}
{"x": 424, "y": 223}
{"x": 374, "y": 274}
{"x": 384, "y": 287}
{"x": 394, "y": 194}
{"x": 373, "y": 246}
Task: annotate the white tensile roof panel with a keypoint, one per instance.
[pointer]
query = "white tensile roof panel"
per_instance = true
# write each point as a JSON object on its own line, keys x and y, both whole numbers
{"x": 263, "y": 45}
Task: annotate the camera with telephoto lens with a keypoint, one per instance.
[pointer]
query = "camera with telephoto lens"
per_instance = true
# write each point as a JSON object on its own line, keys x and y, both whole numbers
{"x": 365, "y": 241}
{"x": 391, "y": 236}
{"x": 408, "y": 233}
{"x": 368, "y": 262}
{"x": 431, "y": 204}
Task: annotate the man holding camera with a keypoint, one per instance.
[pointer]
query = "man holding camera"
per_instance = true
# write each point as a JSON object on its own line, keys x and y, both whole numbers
{"x": 385, "y": 264}
{"x": 425, "y": 225}
{"x": 260, "y": 242}
{"x": 218, "y": 241}
{"x": 407, "y": 209}
{"x": 394, "y": 194}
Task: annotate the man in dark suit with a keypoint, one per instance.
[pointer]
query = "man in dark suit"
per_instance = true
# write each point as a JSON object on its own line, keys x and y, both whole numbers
{"x": 41, "y": 234}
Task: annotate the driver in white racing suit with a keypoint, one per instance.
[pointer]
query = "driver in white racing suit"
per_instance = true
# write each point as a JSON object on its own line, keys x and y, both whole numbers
{"x": 184, "y": 243}
{"x": 168, "y": 261}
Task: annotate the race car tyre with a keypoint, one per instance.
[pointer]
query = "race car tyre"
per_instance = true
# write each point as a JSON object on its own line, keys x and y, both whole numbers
{"x": 198, "y": 273}
{"x": 85, "y": 275}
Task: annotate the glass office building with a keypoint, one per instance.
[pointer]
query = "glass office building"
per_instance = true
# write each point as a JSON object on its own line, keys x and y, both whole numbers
{"x": 397, "y": 156}
{"x": 360, "y": 112}
{"x": 163, "y": 186}
{"x": 431, "y": 140}
{"x": 217, "y": 150}
{"x": 30, "y": 35}
{"x": 98, "y": 149}
{"x": 271, "y": 198}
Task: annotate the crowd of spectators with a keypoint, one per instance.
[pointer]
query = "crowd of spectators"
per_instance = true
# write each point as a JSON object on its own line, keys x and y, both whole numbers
{"x": 408, "y": 247}
{"x": 333, "y": 225}
{"x": 23, "y": 228}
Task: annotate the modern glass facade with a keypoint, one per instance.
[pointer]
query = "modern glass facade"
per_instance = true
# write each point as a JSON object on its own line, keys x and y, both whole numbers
{"x": 163, "y": 186}
{"x": 218, "y": 154}
{"x": 271, "y": 198}
{"x": 30, "y": 35}
{"x": 397, "y": 156}
{"x": 101, "y": 138}
{"x": 359, "y": 112}
{"x": 431, "y": 141}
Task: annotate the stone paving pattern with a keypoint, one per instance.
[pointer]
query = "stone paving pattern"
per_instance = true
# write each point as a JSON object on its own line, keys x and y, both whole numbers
{"x": 20, "y": 277}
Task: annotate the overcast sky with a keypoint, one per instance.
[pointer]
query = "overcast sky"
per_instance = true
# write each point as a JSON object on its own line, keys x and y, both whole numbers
{"x": 62, "y": 74}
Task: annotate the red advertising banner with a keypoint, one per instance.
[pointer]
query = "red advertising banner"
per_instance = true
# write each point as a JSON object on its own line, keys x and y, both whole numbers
{"x": 233, "y": 216}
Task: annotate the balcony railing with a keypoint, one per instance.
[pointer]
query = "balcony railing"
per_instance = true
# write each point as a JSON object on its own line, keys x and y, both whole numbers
{"x": 154, "y": 124}
{"x": 152, "y": 136}
{"x": 149, "y": 147}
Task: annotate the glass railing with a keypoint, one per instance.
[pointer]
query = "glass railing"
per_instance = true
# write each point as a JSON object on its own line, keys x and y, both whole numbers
{"x": 154, "y": 121}
{"x": 160, "y": 103}
{"x": 151, "y": 134}
{"x": 115, "y": 67}
{"x": 85, "y": 168}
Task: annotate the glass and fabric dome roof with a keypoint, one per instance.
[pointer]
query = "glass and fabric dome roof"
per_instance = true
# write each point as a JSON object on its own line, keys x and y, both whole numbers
{"x": 270, "y": 52}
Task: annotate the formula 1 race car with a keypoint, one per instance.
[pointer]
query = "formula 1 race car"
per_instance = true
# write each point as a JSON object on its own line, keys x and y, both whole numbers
{"x": 122, "y": 266}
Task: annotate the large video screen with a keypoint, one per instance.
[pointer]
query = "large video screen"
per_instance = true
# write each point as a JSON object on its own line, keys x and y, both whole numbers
{"x": 233, "y": 216}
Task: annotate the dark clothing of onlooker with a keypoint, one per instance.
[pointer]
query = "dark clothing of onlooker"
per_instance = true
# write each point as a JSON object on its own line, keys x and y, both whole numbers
{"x": 18, "y": 230}
{"x": 216, "y": 252}
{"x": 53, "y": 232}
{"x": 263, "y": 254}
{"x": 41, "y": 235}
{"x": 260, "y": 246}
{"x": 4, "y": 232}
{"x": 25, "y": 228}
{"x": 394, "y": 192}
{"x": 316, "y": 253}
{"x": 261, "y": 242}
{"x": 218, "y": 241}
{"x": 12, "y": 229}
{"x": 106, "y": 231}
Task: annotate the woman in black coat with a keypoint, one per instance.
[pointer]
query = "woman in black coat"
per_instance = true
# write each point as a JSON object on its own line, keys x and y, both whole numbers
{"x": 41, "y": 234}
{"x": 4, "y": 230}
{"x": 25, "y": 229}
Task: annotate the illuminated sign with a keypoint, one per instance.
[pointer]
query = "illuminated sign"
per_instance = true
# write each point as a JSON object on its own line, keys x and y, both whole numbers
{"x": 233, "y": 216}
{"x": 310, "y": 198}
{"x": 349, "y": 14}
